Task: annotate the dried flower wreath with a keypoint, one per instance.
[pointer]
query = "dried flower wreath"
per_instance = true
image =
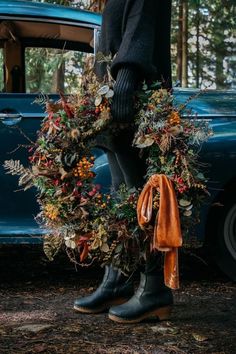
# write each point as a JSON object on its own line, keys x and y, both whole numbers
{"x": 92, "y": 225}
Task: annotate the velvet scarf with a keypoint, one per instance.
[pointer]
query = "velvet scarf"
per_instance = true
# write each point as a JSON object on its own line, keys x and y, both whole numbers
{"x": 167, "y": 232}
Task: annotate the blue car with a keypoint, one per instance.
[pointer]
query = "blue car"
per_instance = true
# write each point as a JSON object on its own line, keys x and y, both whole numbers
{"x": 42, "y": 49}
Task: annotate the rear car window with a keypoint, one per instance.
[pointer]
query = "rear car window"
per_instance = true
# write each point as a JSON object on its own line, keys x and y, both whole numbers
{"x": 1, "y": 71}
{"x": 50, "y": 70}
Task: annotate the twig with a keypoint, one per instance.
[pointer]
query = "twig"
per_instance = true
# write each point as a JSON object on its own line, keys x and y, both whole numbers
{"x": 24, "y": 135}
{"x": 18, "y": 147}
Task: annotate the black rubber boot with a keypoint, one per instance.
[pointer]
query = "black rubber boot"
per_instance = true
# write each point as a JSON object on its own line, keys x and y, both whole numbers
{"x": 115, "y": 289}
{"x": 152, "y": 298}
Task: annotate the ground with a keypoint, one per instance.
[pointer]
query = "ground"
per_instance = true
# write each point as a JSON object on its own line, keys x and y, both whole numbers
{"x": 36, "y": 314}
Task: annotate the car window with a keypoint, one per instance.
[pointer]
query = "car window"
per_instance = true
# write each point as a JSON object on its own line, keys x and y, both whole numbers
{"x": 50, "y": 70}
{"x": 1, "y": 71}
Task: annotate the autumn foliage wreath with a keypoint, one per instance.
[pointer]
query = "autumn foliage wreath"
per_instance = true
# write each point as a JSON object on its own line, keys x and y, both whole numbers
{"x": 93, "y": 226}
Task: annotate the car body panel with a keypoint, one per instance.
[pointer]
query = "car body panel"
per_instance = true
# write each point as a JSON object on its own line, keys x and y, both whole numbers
{"x": 219, "y": 108}
{"x": 17, "y": 209}
{"x": 47, "y": 12}
{"x": 222, "y": 164}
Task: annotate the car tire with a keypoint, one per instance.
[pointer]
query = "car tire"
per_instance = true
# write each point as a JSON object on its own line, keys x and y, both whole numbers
{"x": 225, "y": 245}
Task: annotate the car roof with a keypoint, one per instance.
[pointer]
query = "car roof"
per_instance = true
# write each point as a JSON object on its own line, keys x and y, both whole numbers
{"x": 35, "y": 10}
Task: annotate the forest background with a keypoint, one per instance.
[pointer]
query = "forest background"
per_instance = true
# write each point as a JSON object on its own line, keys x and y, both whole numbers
{"x": 203, "y": 46}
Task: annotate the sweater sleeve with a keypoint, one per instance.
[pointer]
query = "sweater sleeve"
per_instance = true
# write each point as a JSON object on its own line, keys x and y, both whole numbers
{"x": 123, "y": 101}
{"x": 138, "y": 38}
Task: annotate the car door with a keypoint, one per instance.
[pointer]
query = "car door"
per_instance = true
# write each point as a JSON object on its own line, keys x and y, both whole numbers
{"x": 47, "y": 57}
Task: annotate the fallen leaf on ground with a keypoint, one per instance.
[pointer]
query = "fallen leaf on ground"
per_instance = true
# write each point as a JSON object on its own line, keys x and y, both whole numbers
{"x": 164, "y": 330}
{"x": 199, "y": 337}
{"x": 35, "y": 328}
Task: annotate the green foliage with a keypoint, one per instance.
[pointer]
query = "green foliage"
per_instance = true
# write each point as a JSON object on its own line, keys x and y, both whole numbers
{"x": 49, "y": 70}
{"x": 211, "y": 49}
{"x": 123, "y": 203}
{"x": 76, "y": 3}
{"x": 211, "y": 42}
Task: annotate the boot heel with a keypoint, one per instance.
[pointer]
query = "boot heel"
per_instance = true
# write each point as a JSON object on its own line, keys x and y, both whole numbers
{"x": 163, "y": 313}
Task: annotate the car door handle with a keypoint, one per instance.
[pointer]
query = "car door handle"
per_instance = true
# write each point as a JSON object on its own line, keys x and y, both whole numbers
{"x": 10, "y": 118}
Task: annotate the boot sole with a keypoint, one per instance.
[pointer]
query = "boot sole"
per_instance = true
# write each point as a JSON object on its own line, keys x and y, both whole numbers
{"x": 162, "y": 314}
{"x": 102, "y": 308}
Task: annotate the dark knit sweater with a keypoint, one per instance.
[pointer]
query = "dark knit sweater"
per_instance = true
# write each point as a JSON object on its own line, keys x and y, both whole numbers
{"x": 138, "y": 33}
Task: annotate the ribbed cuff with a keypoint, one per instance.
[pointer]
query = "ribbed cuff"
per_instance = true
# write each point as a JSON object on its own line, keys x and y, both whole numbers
{"x": 123, "y": 105}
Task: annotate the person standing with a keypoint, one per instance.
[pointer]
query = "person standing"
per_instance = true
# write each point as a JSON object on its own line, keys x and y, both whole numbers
{"x": 137, "y": 35}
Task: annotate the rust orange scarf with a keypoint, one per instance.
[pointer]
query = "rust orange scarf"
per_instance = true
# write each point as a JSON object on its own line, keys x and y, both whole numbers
{"x": 167, "y": 232}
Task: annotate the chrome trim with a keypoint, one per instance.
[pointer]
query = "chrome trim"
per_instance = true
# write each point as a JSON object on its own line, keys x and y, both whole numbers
{"x": 211, "y": 115}
{"x": 198, "y": 115}
{"x": 33, "y": 115}
{"x": 96, "y": 37}
{"x": 4, "y": 116}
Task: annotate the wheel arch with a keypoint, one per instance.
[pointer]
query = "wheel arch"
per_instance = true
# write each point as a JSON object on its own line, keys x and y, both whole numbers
{"x": 215, "y": 234}
{"x": 226, "y": 195}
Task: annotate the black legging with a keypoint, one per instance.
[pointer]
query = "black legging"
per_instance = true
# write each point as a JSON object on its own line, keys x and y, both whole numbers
{"x": 125, "y": 164}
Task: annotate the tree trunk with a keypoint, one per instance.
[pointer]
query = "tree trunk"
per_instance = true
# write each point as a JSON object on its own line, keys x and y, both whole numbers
{"x": 219, "y": 70}
{"x": 197, "y": 43}
{"x": 182, "y": 46}
{"x": 185, "y": 44}
{"x": 58, "y": 80}
{"x": 180, "y": 42}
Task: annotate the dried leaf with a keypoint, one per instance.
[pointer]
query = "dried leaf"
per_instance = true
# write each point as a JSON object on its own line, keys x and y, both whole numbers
{"x": 176, "y": 130}
{"x": 164, "y": 329}
{"x": 184, "y": 202}
{"x": 105, "y": 247}
{"x": 199, "y": 337}
{"x": 35, "y": 170}
{"x": 70, "y": 244}
{"x": 63, "y": 173}
{"x": 103, "y": 90}
{"x": 109, "y": 94}
{"x": 51, "y": 245}
{"x": 98, "y": 100}
{"x": 144, "y": 141}
{"x": 188, "y": 213}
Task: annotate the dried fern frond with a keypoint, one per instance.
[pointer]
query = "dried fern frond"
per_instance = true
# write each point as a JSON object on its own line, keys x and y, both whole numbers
{"x": 52, "y": 245}
{"x": 165, "y": 142}
{"x": 26, "y": 179}
{"x": 42, "y": 99}
{"x": 14, "y": 167}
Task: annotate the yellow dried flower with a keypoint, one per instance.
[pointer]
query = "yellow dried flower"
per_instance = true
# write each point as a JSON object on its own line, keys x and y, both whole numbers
{"x": 158, "y": 95}
{"x": 51, "y": 211}
{"x": 174, "y": 118}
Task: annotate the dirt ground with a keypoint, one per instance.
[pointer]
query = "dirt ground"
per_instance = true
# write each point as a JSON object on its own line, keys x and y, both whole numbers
{"x": 36, "y": 315}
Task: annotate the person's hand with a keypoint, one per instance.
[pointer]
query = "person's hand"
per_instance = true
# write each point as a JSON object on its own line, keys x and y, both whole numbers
{"x": 122, "y": 108}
